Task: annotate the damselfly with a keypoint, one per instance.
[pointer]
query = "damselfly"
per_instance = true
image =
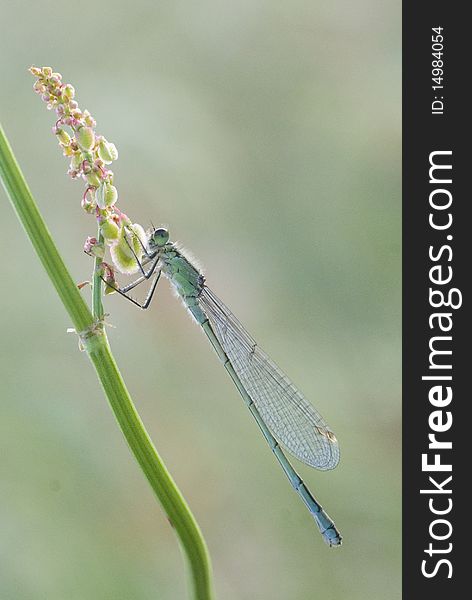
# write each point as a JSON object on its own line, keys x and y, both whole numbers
{"x": 284, "y": 416}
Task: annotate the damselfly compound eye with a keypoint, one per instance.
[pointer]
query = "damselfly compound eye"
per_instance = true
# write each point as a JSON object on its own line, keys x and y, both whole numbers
{"x": 160, "y": 237}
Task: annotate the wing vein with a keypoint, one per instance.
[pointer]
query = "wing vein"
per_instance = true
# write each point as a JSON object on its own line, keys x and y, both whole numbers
{"x": 293, "y": 421}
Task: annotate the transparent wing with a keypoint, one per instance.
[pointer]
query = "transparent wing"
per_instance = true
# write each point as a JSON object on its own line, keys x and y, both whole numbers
{"x": 290, "y": 417}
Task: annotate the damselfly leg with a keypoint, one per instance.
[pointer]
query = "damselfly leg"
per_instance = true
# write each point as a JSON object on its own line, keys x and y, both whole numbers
{"x": 146, "y": 275}
{"x": 149, "y": 256}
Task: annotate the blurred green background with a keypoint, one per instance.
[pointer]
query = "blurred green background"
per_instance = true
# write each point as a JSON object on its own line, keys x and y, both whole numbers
{"x": 267, "y": 136}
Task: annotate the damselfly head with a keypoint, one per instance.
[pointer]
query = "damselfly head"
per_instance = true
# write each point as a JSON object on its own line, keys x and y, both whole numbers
{"x": 159, "y": 237}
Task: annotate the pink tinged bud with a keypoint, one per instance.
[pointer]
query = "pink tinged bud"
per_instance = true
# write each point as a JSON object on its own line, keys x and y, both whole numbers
{"x": 106, "y": 195}
{"x": 124, "y": 219}
{"x": 35, "y": 71}
{"x": 94, "y": 248}
{"x": 85, "y": 138}
{"x": 60, "y": 110}
{"x": 39, "y": 87}
{"x": 110, "y": 230}
{"x": 108, "y": 275}
{"x": 89, "y": 242}
{"x": 47, "y": 72}
{"x": 107, "y": 151}
{"x": 108, "y": 272}
{"x": 68, "y": 92}
{"x": 46, "y": 97}
{"x": 86, "y": 166}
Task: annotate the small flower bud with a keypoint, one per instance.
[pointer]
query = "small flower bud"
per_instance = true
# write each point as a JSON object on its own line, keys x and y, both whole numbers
{"x": 110, "y": 230}
{"x": 125, "y": 219}
{"x": 39, "y": 87}
{"x": 47, "y": 72}
{"x": 122, "y": 252}
{"x": 107, "y": 151}
{"x": 76, "y": 160}
{"x": 88, "y": 205}
{"x": 89, "y": 242}
{"x": 108, "y": 275}
{"x": 36, "y": 71}
{"x": 106, "y": 195}
{"x": 90, "y": 121}
{"x": 93, "y": 179}
{"x": 68, "y": 92}
{"x": 62, "y": 136}
{"x": 85, "y": 138}
{"x": 121, "y": 258}
{"x": 92, "y": 247}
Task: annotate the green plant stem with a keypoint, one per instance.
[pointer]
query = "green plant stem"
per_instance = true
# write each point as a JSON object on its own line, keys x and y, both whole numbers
{"x": 95, "y": 343}
{"x": 150, "y": 462}
{"x": 97, "y": 306}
